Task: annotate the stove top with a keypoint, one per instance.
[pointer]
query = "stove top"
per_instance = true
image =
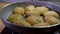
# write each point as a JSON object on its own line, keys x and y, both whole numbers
{"x": 8, "y": 31}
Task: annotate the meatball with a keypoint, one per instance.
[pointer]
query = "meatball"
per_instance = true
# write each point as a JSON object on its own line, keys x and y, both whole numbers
{"x": 32, "y": 13}
{"x": 41, "y": 24}
{"x": 22, "y": 23}
{"x": 15, "y": 17}
{"x": 30, "y": 8}
{"x": 34, "y": 19}
{"x": 18, "y": 10}
{"x": 51, "y": 19}
{"x": 42, "y": 9}
{"x": 51, "y": 13}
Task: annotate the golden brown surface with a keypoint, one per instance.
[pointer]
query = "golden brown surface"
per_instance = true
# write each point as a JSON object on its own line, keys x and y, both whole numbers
{"x": 2, "y": 26}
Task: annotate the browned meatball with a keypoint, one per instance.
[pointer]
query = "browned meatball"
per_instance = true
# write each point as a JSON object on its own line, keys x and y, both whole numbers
{"x": 15, "y": 17}
{"x": 18, "y": 10}
{"x": 30, "y": 8}
{"x": 51, "y": 19}
{"x": 34, "y": 19}
{"x": 32, "y": 13}
{"x": 51, "y": 13}
{"x": 42, "y": 9}
{"x": 22, "y": 23}
{"x": 41, "y": 24}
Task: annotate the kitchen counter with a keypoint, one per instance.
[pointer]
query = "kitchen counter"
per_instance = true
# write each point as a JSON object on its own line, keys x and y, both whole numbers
{"x": 2, "y": 26}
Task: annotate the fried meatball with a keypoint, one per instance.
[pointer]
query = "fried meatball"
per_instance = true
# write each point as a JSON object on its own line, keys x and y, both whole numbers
{"x": 30, "y": 8}
{"x": 51, "y": 13}
{"x": 22, "y": 23}
{"x": 34, "y": 19}
{"x": 42, "y": 9}
{"x": 41, "y": 24}
{"x": 15, "y": 17}
{"x": 18, "y": 10}
{"x": 51, "y": 19}
{"x": 32, "y": 13}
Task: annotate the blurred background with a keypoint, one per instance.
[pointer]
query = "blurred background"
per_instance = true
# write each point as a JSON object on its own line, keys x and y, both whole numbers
{"x": 12, "y": 1}
{"x": 26, "y": 0}
{"x": 54, "y": 1}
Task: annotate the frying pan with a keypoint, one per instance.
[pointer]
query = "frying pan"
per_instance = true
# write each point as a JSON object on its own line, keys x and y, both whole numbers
{"x": 8, "y": 9}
